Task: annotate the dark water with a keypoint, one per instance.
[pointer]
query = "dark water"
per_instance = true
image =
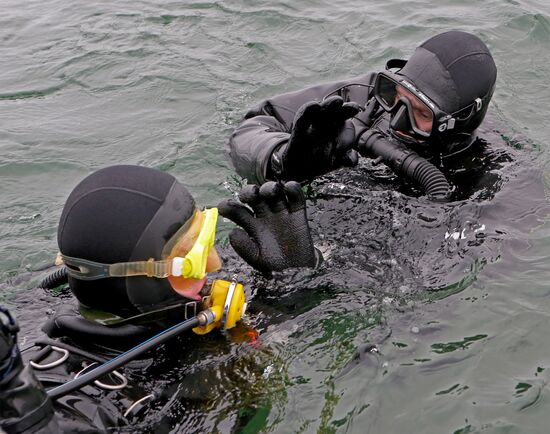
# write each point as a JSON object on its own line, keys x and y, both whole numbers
{"x": 424, "y": 318}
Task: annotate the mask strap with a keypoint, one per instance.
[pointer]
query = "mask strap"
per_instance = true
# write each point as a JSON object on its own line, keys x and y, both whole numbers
{"x": 84, "y": 269}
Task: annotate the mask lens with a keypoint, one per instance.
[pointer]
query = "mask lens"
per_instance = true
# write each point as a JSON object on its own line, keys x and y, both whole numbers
{"x": 390, "y": 94}
{"x": 182, "y": 241}
{"x": 385, "y": 91}
{"x": 420, "y": 114}
{"x": 195, "y": 243}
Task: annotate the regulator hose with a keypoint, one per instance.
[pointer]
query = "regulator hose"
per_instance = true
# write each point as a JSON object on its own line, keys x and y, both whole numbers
{"x": 53, "y": 280}
{"x": 406, "y": 162}
{"x": 122, "y": 359}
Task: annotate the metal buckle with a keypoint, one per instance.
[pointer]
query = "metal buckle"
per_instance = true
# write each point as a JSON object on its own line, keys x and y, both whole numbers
{"x": 136, "y": 403}
{"x": 479, "y": 104}
{"x": 64, "y": 356}
{"x": 190, "y": 304}
{"x": 227, "y": 304}
{"x": 122, "y": 378}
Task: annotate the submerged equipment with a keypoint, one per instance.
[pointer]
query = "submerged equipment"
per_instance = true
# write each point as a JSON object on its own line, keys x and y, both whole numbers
{"x": 27, "y": 406}
{"x": 55, "y": 279}
{"x": 404, "y": 161}
{"x": 226, "y": 305}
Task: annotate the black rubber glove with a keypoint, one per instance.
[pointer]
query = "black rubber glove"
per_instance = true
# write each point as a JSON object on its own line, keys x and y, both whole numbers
{"x": 321, "y": 140}
{"x": 370, "y": 113}
{"x": 276, "y": 233}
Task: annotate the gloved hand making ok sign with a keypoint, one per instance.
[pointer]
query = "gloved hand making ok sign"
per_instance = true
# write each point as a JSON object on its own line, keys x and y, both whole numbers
{"x": 275, "y": 233}
{"x": 320, "y": 141}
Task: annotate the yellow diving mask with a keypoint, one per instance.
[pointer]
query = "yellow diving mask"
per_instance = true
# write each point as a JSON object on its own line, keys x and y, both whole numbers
{"x": 190, "y": 265}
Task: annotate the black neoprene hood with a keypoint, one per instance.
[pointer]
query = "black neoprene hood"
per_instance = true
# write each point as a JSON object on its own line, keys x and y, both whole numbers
{"x": 454, "y": 69}
{"x": 119, "y": 214}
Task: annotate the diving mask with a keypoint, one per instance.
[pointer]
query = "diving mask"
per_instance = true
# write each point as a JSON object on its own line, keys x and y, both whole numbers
{"x": 175, "y": 262}
{"x": 413, "y": 112}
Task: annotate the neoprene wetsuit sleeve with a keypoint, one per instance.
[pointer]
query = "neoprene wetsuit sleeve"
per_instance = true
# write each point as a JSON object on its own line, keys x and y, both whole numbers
{"x": 251, "y": 146}
{"x": 268, "y": 125}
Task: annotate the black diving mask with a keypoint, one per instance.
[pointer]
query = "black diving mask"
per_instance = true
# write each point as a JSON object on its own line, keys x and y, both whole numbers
{"x": 414, "y": 114}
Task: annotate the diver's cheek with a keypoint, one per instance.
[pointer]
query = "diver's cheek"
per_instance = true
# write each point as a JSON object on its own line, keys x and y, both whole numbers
{"x": 423, "y": 123}
{"x": 425, "y": 126}
{"x": 213, "y": 262}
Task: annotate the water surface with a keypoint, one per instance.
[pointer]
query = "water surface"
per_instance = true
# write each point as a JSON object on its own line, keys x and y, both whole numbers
{"x": 404, "y": 329}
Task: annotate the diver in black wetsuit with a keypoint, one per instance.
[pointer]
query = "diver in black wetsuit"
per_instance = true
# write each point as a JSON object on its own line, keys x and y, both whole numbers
{"x": 415, "y": 116}
{"x": 136, "y": 250}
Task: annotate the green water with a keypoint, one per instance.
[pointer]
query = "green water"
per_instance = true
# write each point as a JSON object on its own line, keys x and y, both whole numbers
{"x": 84, "y": 85}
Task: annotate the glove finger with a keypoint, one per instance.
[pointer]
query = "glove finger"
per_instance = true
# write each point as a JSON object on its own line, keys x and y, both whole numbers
{"x": 332, "y": 103}
{"x": 273, "y": 196}
{"x": 238, "y": 214}
{"x": 305, "y": 115}
{"x": 346, "y": 111}
{"x": 330, "y": 107}
{"x": 346, "y": 139}
{"x": 349, "y": 110}
{"x": 338, "y": 112}
{"x": 246, "y": 247}
{"x": 371, "y": 109}
{"x": 250, "y": 195}
{"x": 295, "y": 196}
{"x": 350, "y": 159}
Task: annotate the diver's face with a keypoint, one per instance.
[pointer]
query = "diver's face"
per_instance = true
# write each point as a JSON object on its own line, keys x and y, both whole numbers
{"x": 422, "y": 115}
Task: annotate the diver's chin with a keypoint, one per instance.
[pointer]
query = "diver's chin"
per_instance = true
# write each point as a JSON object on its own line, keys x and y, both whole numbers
{"x": 188, "y": 288}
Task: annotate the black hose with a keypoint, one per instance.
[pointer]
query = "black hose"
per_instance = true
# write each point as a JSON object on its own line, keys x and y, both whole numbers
{"x": 406, "y": 162}
{"x": 55, "y": 279}
{"x": 428, "y": 176}
{"x": 122, "y": 359}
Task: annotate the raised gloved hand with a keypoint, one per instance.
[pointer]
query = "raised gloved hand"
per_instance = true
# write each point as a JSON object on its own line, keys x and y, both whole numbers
{"x": 369, "y": 114}
{"x": 321, "y": 140}
{"x": 275, "y": 233}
